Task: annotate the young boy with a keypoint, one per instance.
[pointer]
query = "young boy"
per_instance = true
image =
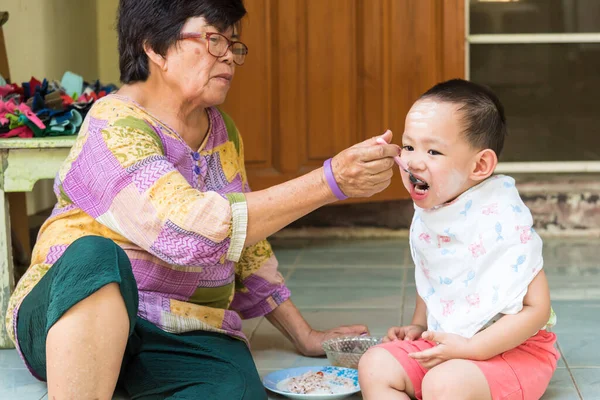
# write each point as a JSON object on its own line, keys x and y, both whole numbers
{"x": 479, "y": 330}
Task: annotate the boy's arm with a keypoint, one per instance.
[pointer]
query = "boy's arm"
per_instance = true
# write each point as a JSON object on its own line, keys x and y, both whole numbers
{"x": 413, "y": 331}
{"x": 509, "y": 332}
{"x": 512, "y": 330}
{"x": 420, "y": 314}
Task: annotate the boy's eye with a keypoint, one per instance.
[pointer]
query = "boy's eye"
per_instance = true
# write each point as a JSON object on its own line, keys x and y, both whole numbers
{"x": 434, "y": 152}
{"x": 407, "y": 148}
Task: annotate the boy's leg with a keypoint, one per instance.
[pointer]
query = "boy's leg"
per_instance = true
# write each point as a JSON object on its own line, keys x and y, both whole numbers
{"x": 521, "y": 373}
{"x": 456, "y": 379}
{"x": 381, "y": 376}
{"x": 387, "y": 372}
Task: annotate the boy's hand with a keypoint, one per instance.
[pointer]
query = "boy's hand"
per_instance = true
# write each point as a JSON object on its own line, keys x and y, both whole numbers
{"x": 410, "y": 332}
{"x": 450, "y": 346}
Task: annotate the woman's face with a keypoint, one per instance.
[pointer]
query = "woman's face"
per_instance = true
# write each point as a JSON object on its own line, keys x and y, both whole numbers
{"x": 193, "y": 72}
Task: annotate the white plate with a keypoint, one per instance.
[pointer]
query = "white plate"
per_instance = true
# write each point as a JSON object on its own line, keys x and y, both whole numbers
{"x": 274, "y": 378}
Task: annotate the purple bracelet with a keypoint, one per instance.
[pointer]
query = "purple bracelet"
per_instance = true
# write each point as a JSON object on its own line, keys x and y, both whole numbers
{"x": 331, "y": 181}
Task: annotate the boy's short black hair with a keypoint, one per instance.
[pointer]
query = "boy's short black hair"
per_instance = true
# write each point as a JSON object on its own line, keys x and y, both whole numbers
{"x": 483, "y": 114}
{"x": 159, "y": 23}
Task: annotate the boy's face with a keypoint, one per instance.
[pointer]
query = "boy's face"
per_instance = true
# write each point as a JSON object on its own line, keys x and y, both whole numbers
{"x": 437, "y": 152}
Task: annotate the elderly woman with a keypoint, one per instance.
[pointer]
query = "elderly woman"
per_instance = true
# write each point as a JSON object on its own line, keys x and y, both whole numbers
{"x": 156, "y": 246}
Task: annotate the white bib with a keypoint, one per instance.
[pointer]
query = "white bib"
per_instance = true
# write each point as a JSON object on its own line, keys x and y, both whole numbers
{"x": 475, "y": 257}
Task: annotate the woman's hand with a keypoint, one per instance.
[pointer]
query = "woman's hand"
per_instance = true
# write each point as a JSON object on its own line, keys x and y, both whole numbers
{"x": 288, "y": 320}
{"x": 312, "y": 344}
{"x": 409, "y": 332}
{"x": 365, "y": 168}
{"x": 450, "y": 346}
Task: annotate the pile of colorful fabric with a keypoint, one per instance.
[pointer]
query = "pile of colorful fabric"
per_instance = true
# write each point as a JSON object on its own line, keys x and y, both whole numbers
{"x": 39, "y": 109}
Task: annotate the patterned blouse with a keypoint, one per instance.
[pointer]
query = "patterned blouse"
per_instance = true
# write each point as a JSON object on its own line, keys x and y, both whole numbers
{"x": 180, "y": 215}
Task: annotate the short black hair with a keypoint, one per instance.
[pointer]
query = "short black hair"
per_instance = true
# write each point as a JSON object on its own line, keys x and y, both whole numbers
{"x": 483, "y": 116}
{"x": 159, "y": 23}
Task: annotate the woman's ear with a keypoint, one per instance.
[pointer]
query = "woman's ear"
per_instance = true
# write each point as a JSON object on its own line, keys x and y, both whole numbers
{"x": 485, "y": 164}
{"x": 155, "y": 58}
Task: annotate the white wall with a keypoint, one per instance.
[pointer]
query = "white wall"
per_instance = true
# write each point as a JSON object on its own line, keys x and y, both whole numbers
{"x": 108, "y": 57}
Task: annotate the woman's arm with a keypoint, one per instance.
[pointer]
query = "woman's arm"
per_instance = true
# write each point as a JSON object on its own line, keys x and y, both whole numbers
{"x": 121, "y": 176}
{"x": 360, "y": 171}
{"x": 288, "y": 320}
{"x": 512, "y": 330}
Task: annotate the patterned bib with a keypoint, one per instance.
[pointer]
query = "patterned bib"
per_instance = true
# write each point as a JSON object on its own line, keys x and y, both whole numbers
{"x": 475, "y": 257}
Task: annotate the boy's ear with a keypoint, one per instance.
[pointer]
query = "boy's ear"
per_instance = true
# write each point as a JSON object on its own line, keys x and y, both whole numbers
{"x": 485, "y": 164}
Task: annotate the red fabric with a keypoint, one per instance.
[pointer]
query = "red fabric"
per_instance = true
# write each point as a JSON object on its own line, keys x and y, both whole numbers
{"x": 522, "y": 373}
{"x": 33, "y": 84}
{"x": 67, "y": 100}
{"x": 22, "y": 132}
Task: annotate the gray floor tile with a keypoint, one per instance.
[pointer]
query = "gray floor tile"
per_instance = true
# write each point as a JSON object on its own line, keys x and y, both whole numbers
{"x": 561, "y": 387}
{"x": 249, "y": 326}
{"x": 378, "y": 321}
{"x": 410, "y": 276}
{"x": 272, "y": 350}
{"x": 362, "y": 245}
{"x": 18, "y": 384}
{"x": 573, "y": 272}
{"x": 27, "y": 387}
{"x": 287, "y": 258}
{"x": 567, "y": 290}
{"x": 119, "y": 395}
{"x": 287, "y": 252}
{"x": 9, "y": 359}
{"x": 577, "y": 316}
{"x": 580, "y": 349}
{"x": 364, "y": 259}
{"x": 289, "y": 244}
{"x": 346, "y": 297}
{"x": 574, "y": 283}
{"x": 588, "y": 381}
{"x": 577, "y": 330}
{"x": 349, "y": 277}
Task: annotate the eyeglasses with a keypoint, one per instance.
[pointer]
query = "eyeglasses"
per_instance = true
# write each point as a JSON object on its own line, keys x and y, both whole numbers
{"x": 218, "y": 45}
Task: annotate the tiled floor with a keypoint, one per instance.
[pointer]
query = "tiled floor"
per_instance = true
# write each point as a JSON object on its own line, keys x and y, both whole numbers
{"x": 349, "y": 281}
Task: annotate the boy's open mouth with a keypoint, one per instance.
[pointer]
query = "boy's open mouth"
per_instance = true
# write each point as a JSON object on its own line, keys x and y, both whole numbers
{"x": 421, "y": 187}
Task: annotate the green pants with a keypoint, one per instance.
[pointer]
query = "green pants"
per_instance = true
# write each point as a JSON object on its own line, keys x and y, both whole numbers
{"x": 157, "y": 364}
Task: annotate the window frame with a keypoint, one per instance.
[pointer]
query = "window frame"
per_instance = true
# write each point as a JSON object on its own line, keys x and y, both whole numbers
{"x": 575, "y": 166}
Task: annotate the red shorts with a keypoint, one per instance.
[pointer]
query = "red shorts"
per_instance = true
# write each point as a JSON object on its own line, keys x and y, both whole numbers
{"x": 522, "y": 373}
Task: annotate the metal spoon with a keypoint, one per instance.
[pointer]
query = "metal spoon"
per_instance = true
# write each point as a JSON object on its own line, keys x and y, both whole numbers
{"x": 414, "y": 180}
